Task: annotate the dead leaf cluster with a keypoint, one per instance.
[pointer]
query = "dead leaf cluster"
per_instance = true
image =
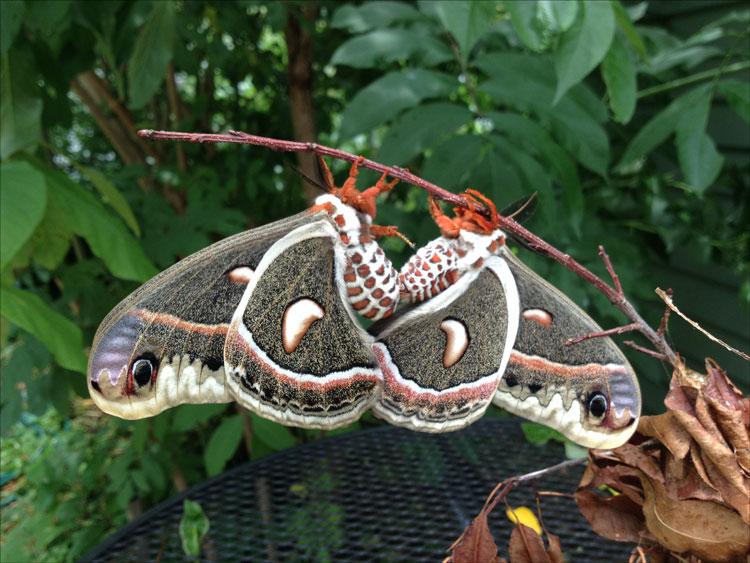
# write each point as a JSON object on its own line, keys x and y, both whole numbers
{"x": 681, "y": 487}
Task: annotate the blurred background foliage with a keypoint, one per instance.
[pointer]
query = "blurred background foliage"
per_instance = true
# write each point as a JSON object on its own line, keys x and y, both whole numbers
{"x": 630, "y": 120}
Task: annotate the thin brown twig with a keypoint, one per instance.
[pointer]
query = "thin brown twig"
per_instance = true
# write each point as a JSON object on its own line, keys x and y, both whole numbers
{"x": 614, "y": 294}
{"x": 602, "y": 333}
{"x": 648, "y": 352}
{"x": 665, "y": 317}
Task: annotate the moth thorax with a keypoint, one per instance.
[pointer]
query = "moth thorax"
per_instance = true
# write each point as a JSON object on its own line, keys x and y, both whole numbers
{"x": 474, "y": 248}
{"x": 431, "y": 270}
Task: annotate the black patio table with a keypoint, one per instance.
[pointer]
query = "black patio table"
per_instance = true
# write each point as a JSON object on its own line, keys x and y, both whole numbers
{"x": 385, "y": 494}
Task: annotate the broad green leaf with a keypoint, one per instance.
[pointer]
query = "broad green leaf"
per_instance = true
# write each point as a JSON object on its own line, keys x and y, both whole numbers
{"x": 11, "y": 17}
{"x": 273, "y": 434}
{"x": 537, "y": 141}
{"x": 107, "y": 236}
{"x": 625, "y": 23}
{"x": 388, "y": 45}
{"x": 188, "y": 417}
{"x": 60, "y": 335}
{"x": 523, "y": 17}
{"x": 465, "y": 21}
{"x": 20, "y": 104}
{"x": 658, "y": 129}
{"x": 419, "y": 129}
{"x": 618, "y": 72}
{"x": 564, "y": 11}
{"x": 222, "y": 444}
{"x": 539, "y": 435}
{"x": 372, "y": 15}
{"x": 51, "y": 240}
{"x": 194, "y": 526}
{"x": 584, "y": 45}
{"x": 23, "y": 199}
{"x": 737, "y": 94}
{"x": 50, "y": 19}
{"x": 450, "y": 163}
{"x": 111, "y": 196}
{"x": 152, "y": 53}
{"x": 388, "y": 96}
{"x": 699, "y": 159}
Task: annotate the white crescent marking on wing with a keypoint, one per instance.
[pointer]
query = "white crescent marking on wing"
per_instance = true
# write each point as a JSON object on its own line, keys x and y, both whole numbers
{"x": 243, "y": 274}
{"x": 456, "y": 341}
{"x": 296, "y": 322}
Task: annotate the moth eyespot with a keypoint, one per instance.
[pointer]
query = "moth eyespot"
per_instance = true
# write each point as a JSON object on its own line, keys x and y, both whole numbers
{"x": 142, "y": 371}
{"x": 597, "y": 405}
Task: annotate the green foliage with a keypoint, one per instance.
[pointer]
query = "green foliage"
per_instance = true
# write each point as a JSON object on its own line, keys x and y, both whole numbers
{"x": 194, "y": 526}
{"x": 622, "y": 126}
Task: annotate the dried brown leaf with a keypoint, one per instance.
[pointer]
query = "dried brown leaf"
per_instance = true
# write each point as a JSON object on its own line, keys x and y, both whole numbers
{"x": 622, "y": 478}
{"x": 705, "y": 529}
{"x": 526, "y": 546}
{"x": 668, "y": 431}
{"x": 476, "y": 544}
{"x": 736, "y": 497}
{"x": 554, "y": 549}
{"x": 617, "y": 518}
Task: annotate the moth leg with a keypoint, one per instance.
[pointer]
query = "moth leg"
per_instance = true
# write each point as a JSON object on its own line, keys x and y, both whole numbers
{"x": 328, "y": 176}
{"x": 328, "y": 207}
{"x": 449, "y": 228}
{"x": 380, "y": 231}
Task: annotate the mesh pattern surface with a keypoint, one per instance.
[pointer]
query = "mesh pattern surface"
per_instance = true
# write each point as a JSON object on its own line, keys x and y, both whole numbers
{"x": 386, "y": 494}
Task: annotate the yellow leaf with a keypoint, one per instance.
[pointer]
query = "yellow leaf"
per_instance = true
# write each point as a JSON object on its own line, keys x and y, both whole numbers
{"x": 524, "y": 515}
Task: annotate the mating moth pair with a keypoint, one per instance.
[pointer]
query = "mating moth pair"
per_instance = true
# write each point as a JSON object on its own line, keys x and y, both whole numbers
{"x": 270, "y": 318}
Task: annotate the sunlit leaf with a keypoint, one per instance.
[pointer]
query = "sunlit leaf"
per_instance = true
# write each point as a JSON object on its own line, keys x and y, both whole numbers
{"x": 108, "y": 238}
{"x": 618, "y": 72}
{"x": 20, "y": 104}
{"x": 60, "y": 335}
{"x": 194, "y": 526}
{"x": 419, "y": 129}
{"x": 23, "y": 199}
{"x": 152, "y": 53}
{"x": 389, "y": 95}
{"x": 11, "y": 17}
{"x": 371, "y": 15}
{"x": 584, "y": 45}
{"x": 465, "y": 21}
{"x": 222, "y": 444}
{"x": 699, "y": 159}
{"x": 524, "y": 515}
{"x": 111, "y": 196}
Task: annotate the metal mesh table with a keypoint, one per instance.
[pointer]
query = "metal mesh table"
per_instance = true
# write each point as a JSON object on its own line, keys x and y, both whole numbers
{"x": 385, "y": 494}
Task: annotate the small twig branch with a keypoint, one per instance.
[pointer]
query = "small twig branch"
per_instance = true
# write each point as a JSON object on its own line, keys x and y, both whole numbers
{"x": 665, "y": 317}
{"x": 668, "y": 300}
{"x": 642, "y": 350}
{"x": 615, "y": 294}
{"x": 602, "y": 333}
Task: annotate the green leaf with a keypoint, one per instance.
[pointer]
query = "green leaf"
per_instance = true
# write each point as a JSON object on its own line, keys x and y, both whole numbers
{"x": 23, "y": 199}
{"x": 371, "y": 15}
{"x": 60, "y": 335}
{"x": 583, "y": 45}
{"x": 274, "y": 435}
{"x": 450, "y": 164}
{"x": 618, "y": 72}
{"x": 539, "y": 434}
{"x": 50, "y": 242}
{"x": 108, "y": 238}
{"x": 523, "y": 17}
{"x": 737, "y": 94}
{"x": 388, "y": 96}
{"x": 383, "y": 46}
{"x": 222, "y": 444}
{"x": 194, "y": 526}
{"x": 628, "y": 29}
{"x": 20, "y": 104}
{"x": 419, "y": 129}
{"x": 49, "y": 19}
{"x": 658, "y": 129}
{"x": 152, "y": 53}
{"x": 465, "y": 21}
{"x": 563, "y": 11}
{"x": 188, "y": 417}
{"x": 11, "y": 17}
{"x": 700, "y": 161}
{"x": 111, "y": 196}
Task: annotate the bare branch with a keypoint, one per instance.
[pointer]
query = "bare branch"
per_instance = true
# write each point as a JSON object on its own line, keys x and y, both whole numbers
{"x": 668, "y": 300}
{"x": 653, "y": 353}
{"x": 602, "y": 333}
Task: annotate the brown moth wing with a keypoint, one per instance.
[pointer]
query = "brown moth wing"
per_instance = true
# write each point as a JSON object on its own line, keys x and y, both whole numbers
{"x": 552, "y": 383}
{"x": 442, "y": 360}
{"x": 294, "y": 351}
{"x": 178, "y": 320}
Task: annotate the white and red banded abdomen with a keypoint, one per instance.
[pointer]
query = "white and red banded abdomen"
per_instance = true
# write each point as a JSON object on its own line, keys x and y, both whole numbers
{"x": 431, "y": 270}
{"x": 372, "y": 284}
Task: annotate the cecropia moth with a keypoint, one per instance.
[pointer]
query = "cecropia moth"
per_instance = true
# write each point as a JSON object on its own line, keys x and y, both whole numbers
{"x": 270, "y": 318}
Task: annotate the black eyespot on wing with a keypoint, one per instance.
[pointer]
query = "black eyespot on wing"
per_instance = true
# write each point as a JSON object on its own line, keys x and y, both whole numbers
{"x": 535, "y": 387}
{"x": 143, "y": 369}
{"x": 597, "y": 404}
{"x": 510, "y": 380}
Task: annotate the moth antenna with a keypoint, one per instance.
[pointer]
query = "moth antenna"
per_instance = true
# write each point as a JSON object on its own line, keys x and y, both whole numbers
{"x": 326, "y": 173}
{"x": 524, "y": 206}
{"x": 309, "y": 179}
